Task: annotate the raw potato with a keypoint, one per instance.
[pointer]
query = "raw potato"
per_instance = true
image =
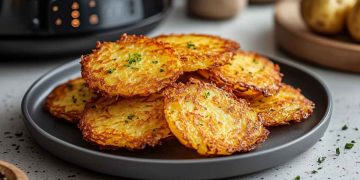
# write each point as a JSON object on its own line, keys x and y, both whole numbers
{"x": 134, "y": 65}
{"x": 200, "y": 51}
{"x": 210, "y": 120}
{"x": 248, "y": 74}
{"x": 67, "y": 101}
{"x": 326, "y": 16}
{"x": 131, "y": 123}
{"x": 353, "y": 22}
{"x": 286, "y": 106}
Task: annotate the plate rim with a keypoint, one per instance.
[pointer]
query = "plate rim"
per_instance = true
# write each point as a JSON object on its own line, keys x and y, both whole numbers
{"x": 29, "y": 120}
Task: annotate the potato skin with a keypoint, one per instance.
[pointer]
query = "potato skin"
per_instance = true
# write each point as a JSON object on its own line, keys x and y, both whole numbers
{"x": 132, "y": 66}
{"x": 289, "y": 105}
{"x": 200, "y": 51}
{"x": 210, "y": 120}
{"x": 247, "y": 74}
{"x": 131, "y": 123}
{"x": 67, "y": 101}
{"x": 353, "y": 22}
{"x": 326, "y": 16}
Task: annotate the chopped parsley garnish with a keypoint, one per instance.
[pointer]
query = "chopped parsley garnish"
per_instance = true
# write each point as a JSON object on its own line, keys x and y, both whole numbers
{"x": 337, "y": 151}
{"x": 313, "y": 172}
{"x": 344, "y": 127}
{"x": 206, "y": 95}
{"x": 131, "y": 117}
{"x": 132, "y": 59}
{"x": 352, "y": 141}
{"x": 356, "y": 129}
{"x": 74, "y": 99}
{"x": 190, "y": 45}
{"x": 110, "y": 71}
{"x": 254, "y": 61}
{"x": 349, "y": 145}
{"x": 70, "y": 86}
{"x": 297, "y": 178}
{"x": 321, "y": 159}
{"x": 154, "y": 62}
{"x": 162, "y": 70}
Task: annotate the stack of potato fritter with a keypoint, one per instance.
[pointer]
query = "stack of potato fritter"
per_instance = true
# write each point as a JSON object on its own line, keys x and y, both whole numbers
{"x": 201, "y": 89}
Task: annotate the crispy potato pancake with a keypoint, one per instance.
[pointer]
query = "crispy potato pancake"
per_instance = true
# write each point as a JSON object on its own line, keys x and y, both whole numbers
{"x": 67, "y": 101}
{"x": 131, "y": 123}
{"x": 247, "y": 74}
{"x": 210, "y": 120}
{"x": 287, "y": 105}
{"x": 134, "y": 65}
{"x": 199, "y": 51}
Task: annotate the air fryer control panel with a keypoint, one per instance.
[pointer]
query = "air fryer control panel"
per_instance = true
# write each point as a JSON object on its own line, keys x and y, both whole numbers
{"x": 88, "y": 15}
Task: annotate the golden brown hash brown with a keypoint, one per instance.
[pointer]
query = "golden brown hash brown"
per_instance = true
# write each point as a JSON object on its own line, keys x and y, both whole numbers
{"x": 134, "y": 65}
{"x": 67, "y": 101}
{"x": 199, "y": 51}
{"x": 131, "y": 123}
{"x": 210, "y": 120}
{"x": 247, "y": 74}
{"x": 285, "y": 106}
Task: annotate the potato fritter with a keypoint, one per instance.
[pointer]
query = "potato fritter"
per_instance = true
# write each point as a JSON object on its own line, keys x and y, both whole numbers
{"x": 131, "y": 123}
{"x": 210, "y": 120}
{"x": 285, "y": 106}
{"x": 247, "y": 74}
{"x": 134, "y": 65}
{"x": 199, "y": 51}
{"x": 67, "y": 101}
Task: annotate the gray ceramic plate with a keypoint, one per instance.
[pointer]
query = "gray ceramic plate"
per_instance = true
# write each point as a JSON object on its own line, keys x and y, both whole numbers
{"x": 172, "y": 160}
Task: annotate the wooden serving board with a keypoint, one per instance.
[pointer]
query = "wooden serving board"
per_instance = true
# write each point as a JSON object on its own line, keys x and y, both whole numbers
{"x": 295, "y": 38}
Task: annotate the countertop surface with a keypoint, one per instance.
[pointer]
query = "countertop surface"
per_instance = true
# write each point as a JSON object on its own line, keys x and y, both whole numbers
{"x": 254, "y": 30}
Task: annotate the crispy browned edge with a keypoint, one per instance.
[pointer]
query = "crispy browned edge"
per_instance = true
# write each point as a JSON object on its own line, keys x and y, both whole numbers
{"x": 221, "y": 81}
{"x": 221, "y": 58}
{"x": 146, "y": 142}
{"x": 179, "y": 88}
{"x": 298, "y": 116}
{"x": 93, "y": 81}
{"x": 71, "y": 116}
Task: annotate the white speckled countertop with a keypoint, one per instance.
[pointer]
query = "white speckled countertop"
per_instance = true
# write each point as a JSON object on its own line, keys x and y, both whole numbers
{"x": 254, "y": 30}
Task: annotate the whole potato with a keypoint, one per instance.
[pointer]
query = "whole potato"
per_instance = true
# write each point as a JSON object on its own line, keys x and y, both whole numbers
{"x": 326, "y": 16}
{"x": 353, "y": 21}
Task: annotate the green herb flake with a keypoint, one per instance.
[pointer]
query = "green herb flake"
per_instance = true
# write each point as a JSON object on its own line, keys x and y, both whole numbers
{"x": 254, "y": 61}
{"x": 70, "y": 86}
{"x": 131, "y": 117}
{"x": 321, "y": 160}
{"x": 319, "y": 168}
{"x": 356, "y": 129}
{"x": 297, "y": 178}
{"x": 74, "y": 99}
{"x": 313, "y": 172}
{"x": 154, "y": 62}
{"x": 110, "y": 71}
{"x": 206, "y": 95}
{"x": 349, "y": 145}
{"x": 337, "y": 151}
{"x": 190, "y": 45}
{"x": 353, "y": 141}
{"x": 162, "y": 70}
{"x": 344, "y": 127}
{"x": 134, "y": 58}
